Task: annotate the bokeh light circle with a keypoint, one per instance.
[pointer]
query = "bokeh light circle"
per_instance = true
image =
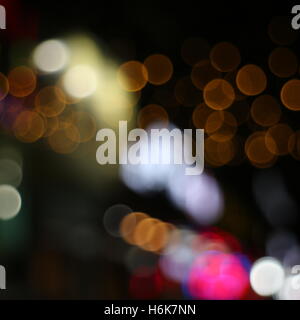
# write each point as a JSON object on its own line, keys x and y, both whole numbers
{"x": 113, "y": 217}
{"x": 48, "y": 101}
{"x": 283, "y": 62}
{"x": 257, "y": 151}
{"x": 251, "y": 80}
{"x": 22, "y": 81}
{"x": 265, "y": 110}
{"x": 11, "y": 202}
{"x": 290, "y": 94}
{"x": 50, "y": 56}
{"x": 218, "y": 94}
{"x": 80, "y": 81}
{"x": 132, "y": 76}
{"x": 218, "y": 276}
{"x": 151, "y": 114}
{"x": 203, "y": 72}
{"x": 277, "y": 138}
{"x": 29, "y": 126}
{"x": 267, "y": 276}
{"x": 225, "y": 56}
{"x": 159, "y": 68}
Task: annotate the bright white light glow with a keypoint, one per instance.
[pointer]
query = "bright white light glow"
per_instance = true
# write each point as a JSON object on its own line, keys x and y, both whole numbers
{"x": 80, "y": 81}
{"x": 200, "y": 196}
{"x": 267, "y": 276}
{"x": 50, "y": 56}
{"x": 10, "y": 202}
{"x": 290, "y": 289}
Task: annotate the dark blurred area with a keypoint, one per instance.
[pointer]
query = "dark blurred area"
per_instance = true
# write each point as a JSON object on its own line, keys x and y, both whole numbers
{"x": 81, "y": 229}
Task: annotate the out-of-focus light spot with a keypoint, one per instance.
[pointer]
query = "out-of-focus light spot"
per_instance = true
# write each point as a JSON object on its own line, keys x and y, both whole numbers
{"x": 29, "y": 126}
{"x": 48, "y": 101}
{"x": 152, "y": 234}
{"x": 22, "y": 81}
{"x": 4, "y": 86}
{"x": 199, "y": 196}
{"x": 218, "y": 276}
{"x": 60, "y": 141}
{"x": 273, "y": 198}
{"x": 113, "y": 217}
{"x": 200, "y": 115}
{"x": 290, "y": 94}
{"x": 128, "y": 225}
{"x": 159, "y": 237}
{"x": 109, "y": 103}
{"x": 145, "y": 178}
{"x": 10, "y": 172}
{"x": 251, "y": 80}
{"x": 202, "y": 73}
{"x": 80, "y": 81}
{"x": 85, "y": 127}
{"x": 219, "y": 153}
{"x": 132, "y": 76}
{"x": 152, "y": 114}
{"x": 194, "y": 49}
{"x": 257, "y": 151}
{"x": 52, "y": 126}
{"x": 10, "y": 201}
{"x": 142, "y": 231}
{"x": 225, "y": 56}
{"x": 280, "y": 30}
{"x": 219, "y": 240}
{"x": 221, "y": 126}
{"x": 186, "y": 93}
{"x": 159, "y": 68}
{"x": 283, "y": 62}
{"x": 179, "y": 254}
{"x": 265, "y": 110}
{"x": 66, "y": 118}
{"x": 50, "y": 56}
{"x": 63, "y": 95}
{"x": 277, "y": 138}
{"x": 231, "y": 78}
{"x": 267, "y": 276}
{"x": 290, "y": 289}
{"x": 218, "y": 94}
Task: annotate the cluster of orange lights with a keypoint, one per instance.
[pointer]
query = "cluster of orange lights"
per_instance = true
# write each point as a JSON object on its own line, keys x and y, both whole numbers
{"x": 223, "y": 93}
{"x": 45, "y": 113}
{"x": 226, "y": 95}
{"x": 150, "y": 234}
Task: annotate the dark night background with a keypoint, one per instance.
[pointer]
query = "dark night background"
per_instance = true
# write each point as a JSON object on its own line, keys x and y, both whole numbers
{"x": 41, "y": 262}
